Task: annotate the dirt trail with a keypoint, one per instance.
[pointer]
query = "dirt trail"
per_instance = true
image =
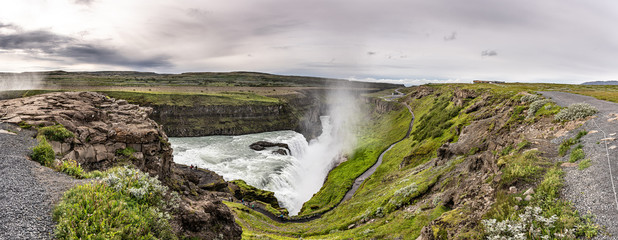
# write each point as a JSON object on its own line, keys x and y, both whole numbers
{"x": 593, "y": 190}
{"x": 28, "y": 191}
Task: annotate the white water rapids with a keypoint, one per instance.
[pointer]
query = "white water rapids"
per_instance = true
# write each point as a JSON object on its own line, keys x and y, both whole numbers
{"x": 293, "y": 178}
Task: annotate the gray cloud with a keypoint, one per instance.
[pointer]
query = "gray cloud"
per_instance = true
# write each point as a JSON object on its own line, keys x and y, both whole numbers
{"x": 451, "y": 37}
{"x": 92, "y": 53}
{"x": 489, "y": 53}
{"x": 84, "y": 2}
{"x": 34, "y": 40}
{"x": 59, "y": 46}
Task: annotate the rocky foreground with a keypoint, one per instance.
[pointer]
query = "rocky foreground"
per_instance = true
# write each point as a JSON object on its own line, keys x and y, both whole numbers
{"x": 108, "y": 132}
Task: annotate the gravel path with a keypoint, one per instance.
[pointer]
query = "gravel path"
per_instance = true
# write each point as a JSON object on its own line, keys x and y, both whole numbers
{"x": 593, "y": 190}
{"x": 27, "y": 189}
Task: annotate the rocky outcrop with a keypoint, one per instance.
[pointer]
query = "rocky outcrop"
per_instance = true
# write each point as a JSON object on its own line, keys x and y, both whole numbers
{"x": 109, "y": 131}
{"x": 103, "y": 127}
{"x": 381, "y": 106}
{"x": 421, "y": 92}
{"x": 207, "y": 218}
{"x": 462, "y": 95}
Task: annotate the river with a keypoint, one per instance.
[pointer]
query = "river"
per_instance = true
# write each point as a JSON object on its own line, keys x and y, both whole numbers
{"x": 294, "y": 178}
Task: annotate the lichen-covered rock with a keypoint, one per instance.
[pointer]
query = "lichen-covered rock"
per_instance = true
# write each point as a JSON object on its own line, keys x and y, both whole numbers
{"x": 102, "y": 127}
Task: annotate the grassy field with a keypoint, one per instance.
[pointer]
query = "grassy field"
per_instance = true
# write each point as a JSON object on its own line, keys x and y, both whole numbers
{"x": 403, "y": 195}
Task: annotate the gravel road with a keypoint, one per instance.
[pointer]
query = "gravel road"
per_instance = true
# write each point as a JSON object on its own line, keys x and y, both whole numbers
{"x": 593, "y": 190}
{"x": 27, "y": 189}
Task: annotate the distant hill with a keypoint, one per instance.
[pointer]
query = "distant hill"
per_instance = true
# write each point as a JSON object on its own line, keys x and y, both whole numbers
{"x": 198, "y": 79}
{"x": 612, "y": 82}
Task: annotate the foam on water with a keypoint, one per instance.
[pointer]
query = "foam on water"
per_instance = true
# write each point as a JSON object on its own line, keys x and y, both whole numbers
{"x": 293, "y": 178}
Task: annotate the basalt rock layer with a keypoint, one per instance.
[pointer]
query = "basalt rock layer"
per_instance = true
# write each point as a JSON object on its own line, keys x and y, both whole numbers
{"x": 103, "y": 127}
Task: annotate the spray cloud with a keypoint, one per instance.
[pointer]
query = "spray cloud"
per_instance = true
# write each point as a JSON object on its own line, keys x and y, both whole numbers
{"x": 20, "y": 81}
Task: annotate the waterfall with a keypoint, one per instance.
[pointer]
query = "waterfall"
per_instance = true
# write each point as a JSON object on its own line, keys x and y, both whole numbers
{"x": 293, "y": 178}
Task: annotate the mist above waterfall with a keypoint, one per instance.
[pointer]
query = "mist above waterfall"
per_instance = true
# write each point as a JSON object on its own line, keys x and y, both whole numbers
{"x": 337, "y": 139}
{"x": 293, "y": 178}
{"x": 20, "y": 81}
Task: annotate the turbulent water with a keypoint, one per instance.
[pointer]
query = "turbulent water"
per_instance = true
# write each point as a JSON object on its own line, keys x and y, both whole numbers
{"x": 293, "y": 178}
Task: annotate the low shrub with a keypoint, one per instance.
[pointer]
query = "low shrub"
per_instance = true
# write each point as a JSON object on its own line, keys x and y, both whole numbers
{"x": 530, "y": 223}
{"x": 127, "y": 152}
{"x": 24, "y": 125}
{"x": 56, "y": 133}
{"x": 524, "y": 167}
{"x": 127, "y": 204}
{"x": 530, "y": 98}
{"x": 584, "y": 164}
{"x": 535, "y": 106}
{"x": 403, "y": 195}
{"x": 43, "y": 152}
{"x": 72, "y": 168}
{"x": 576, "y": 111}
{"x": 577, "y": 154}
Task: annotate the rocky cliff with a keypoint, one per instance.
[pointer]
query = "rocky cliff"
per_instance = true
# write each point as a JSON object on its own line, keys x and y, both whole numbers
{"x": 299, "y": 112}
{"x": 107, "y": 132}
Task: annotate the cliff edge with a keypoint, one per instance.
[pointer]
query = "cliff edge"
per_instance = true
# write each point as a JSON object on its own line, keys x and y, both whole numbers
{"x": 108, "y": 132}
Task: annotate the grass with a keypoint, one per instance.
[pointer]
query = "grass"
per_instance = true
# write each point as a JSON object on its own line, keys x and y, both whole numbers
{"x": 187, "y": 100}
{"x": 56, "y": 133}
{"x": 250, "y": 193}
{"x": 566, "y": 145}
{"x": 547, "y": 199}
{"x": 72, "y": 168}
{"x": 584, "y": 164}
{"x": 127, "y": 204}
{"x": 43, "y": 152}
{"x": 126, "y": 152}
{"x": 526, "y": 167}
{"x": 577, "y": 154}
{"x": 24, "y": 125}
{"x": 375, "y": 139}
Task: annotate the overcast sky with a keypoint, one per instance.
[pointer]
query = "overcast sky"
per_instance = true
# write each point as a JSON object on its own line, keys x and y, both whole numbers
{"x": 408, "y": 41}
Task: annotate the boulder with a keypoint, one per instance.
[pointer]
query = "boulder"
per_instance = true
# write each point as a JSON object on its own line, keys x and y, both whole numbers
{"x": 207, "y": 219}
{"x": 261, "y": 145}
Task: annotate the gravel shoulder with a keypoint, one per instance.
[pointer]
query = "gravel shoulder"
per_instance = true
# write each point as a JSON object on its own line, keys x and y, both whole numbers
{"x": 28, "y": 191}
{"x": 593, "y": 190}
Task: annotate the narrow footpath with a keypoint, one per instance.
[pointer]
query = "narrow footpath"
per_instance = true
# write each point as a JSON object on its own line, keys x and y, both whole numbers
{"x": 357, "y": 183}
{"x": 593, "y": 190}
{"x": 28, "y": 190}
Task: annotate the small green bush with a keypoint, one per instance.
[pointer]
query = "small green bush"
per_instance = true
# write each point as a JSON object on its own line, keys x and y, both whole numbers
{"x": 565, "y": 146}
{"x": 72, "y": 168}
{"x": 403, "y": 195}
{"x": 584, "y": 164}
{"x": 581, "y": 134}
{"x": 24, "y": 125}
{"x": 530, "y": 98}
{"x": 576, "y": 111}
{"x": 43, "y": 152}
{"x": 127, "y": 152}
{"x": 577, "y": 154}
{"x": 535, "y": 106}
{"x": 524, "y": 167}
{"x": 56, "y": 133}
{"x": 127, "y": 204}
